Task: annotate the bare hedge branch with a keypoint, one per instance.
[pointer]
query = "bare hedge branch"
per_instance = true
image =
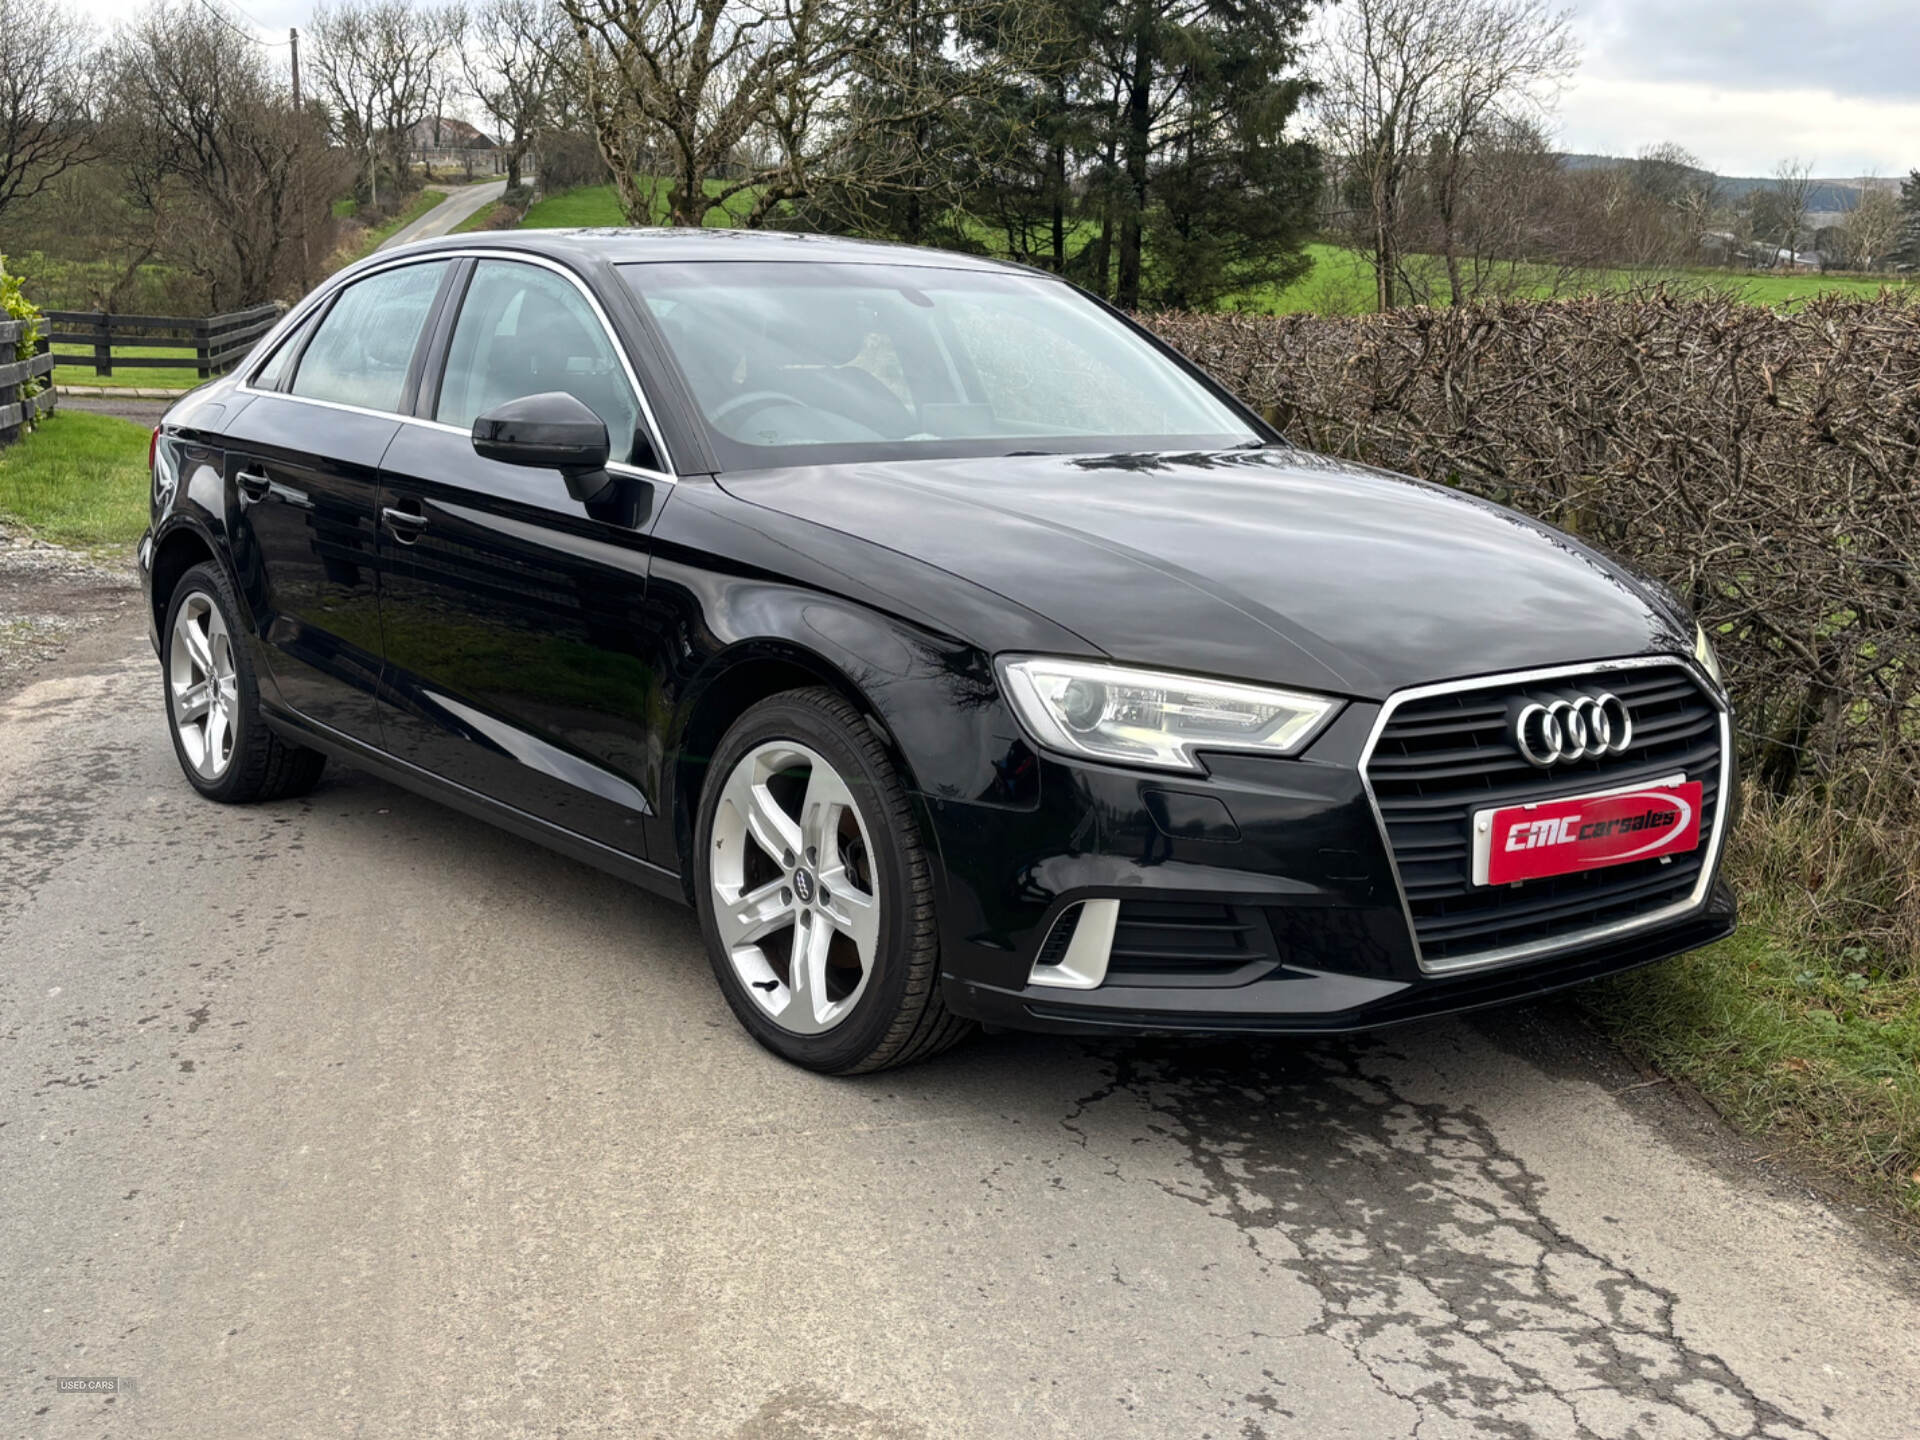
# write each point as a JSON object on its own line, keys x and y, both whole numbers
{"x": 1764, "y": 464}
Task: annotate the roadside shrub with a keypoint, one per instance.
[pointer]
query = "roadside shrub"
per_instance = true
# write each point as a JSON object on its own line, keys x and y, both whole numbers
{"x": 1765, "y": 464}
{"x": 14, "y": 305}
{"x": 566, "y": 160}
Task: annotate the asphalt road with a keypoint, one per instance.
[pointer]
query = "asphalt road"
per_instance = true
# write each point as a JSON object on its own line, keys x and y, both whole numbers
{"x": 461, "y": 202}
{"x": 348, "y": 1116}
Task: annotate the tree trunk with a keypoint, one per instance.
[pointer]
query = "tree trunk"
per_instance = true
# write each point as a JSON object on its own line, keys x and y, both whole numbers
{"x": 1057, "y": 184}
{"x": 1139, "y": 138}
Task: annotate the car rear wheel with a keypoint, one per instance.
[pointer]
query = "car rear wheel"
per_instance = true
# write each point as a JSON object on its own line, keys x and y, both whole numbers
{"x": 815, "y": 893}
{"x": 223, "y": 744}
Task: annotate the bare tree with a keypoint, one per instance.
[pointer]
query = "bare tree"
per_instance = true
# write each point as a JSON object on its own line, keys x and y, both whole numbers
{"x": 754, "y": 96}
{"x": 512, "y": 54}
{"x": 228, "y": 174}
{"x": 1407, "y": 89}
{"x": 1379, "y": 70}
{"x": 1871, "y": 230}
{"x": 1685, "y": 195}
{"x": 45, "y": 129}
{"x": 1792, "y": 190}
{"x": 378, "y": 66}
{"x": 1510, "y": 58}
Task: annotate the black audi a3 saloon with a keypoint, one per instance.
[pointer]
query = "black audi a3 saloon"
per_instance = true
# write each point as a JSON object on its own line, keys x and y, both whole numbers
{"x": 958, "y": 650}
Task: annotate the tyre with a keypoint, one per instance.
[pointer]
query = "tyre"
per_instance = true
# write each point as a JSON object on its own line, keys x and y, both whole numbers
{"x": 815, "y": 892}
{"x": 213, "y": 701}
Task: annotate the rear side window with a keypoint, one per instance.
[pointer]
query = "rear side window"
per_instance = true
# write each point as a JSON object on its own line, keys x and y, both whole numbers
{"x": 361, "y": 352}
{"x": 524, "y": 330}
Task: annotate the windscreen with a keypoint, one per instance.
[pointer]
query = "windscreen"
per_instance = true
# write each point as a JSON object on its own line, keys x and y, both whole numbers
{"x": 812, "y": 363}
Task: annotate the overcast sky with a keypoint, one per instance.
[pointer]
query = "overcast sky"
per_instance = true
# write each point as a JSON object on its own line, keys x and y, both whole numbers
{"x": 1740, "y": 83}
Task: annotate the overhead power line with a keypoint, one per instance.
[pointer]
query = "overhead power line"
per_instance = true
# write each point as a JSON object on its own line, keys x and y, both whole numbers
{"x": 217, "y": 13}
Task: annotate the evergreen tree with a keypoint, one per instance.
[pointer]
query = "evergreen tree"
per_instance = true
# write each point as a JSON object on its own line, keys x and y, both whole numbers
{"x": 1907, "y": 252}
{"x": 1139, "y": 147}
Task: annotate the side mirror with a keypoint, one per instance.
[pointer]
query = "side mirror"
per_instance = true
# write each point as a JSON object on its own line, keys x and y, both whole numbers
{"x": 552, "y": 431}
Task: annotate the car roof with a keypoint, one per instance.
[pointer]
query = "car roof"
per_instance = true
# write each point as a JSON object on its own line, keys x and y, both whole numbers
{"x": 640, "y": 246}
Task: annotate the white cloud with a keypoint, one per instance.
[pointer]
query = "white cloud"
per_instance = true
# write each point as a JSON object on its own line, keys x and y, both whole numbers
{"x": 1743, "y": 132}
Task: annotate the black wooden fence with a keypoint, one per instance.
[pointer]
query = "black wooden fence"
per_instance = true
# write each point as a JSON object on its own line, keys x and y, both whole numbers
{"x": 216, "y": 342}
{"x": 16, "y": 409}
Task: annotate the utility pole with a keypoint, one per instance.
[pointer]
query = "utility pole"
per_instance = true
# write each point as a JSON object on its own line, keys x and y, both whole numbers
{"x": 306, "y": 254}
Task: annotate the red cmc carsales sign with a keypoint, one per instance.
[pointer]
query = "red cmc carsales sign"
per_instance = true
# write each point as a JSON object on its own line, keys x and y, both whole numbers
{"x": 1585, "y": 832}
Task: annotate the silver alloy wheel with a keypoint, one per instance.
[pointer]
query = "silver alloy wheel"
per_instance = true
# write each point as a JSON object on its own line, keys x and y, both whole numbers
{"x": 202, "y": 684}
{"x": 795, "y": 901}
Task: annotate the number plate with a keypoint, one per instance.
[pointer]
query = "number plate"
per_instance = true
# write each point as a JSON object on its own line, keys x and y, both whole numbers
{"x": 1586, "y": 832}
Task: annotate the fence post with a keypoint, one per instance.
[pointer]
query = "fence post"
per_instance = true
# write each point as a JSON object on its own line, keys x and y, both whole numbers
{"x": 202, "y": 348}
{"x": 103, "y": 346}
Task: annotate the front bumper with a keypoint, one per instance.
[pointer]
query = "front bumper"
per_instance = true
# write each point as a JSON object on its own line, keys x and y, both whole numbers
{"x": 1286, "y": 856}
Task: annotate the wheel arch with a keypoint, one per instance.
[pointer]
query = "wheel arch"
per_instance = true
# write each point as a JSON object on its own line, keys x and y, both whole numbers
{"x": 730, "y": 684}
{"x": 178, "y": 550}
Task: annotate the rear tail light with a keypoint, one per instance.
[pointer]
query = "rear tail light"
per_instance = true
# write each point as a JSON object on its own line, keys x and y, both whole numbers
{"x": 153, "y": 443}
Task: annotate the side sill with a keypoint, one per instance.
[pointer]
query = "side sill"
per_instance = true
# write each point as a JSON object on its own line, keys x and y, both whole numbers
{"x": 302, "y": 731}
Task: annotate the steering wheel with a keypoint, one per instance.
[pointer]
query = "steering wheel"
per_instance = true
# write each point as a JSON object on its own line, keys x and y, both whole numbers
{"x": 752, "y": 403}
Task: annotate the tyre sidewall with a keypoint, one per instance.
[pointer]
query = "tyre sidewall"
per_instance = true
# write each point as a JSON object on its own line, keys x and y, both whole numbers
{"x": 862, "y": 1032}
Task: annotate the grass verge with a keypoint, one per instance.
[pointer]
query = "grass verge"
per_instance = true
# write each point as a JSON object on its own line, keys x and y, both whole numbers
{"x": 1795, "y": 1028}
{"x": 79, "y": 480}
{"x": 600, "y": 205}
{"x": 371, "y": 238}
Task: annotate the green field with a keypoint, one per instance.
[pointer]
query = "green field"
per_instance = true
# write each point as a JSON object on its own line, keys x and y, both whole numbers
{"x": 158, "y": 377}
{"x": 599, "y": 205}
{"x": 1340, "y": 281}
{"x": 78, "y": 479}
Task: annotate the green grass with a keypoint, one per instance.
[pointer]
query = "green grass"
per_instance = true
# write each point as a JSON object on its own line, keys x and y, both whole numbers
{"x": 1819, "y": 1051}
{"x": 1340, "y": 281}
{"x": 159, "y": 377}
{"x": 600, "y": 205}
{"x": 58, "y": 282}
{"x": 78, "y": 479}
{"x": 476, "y": 221}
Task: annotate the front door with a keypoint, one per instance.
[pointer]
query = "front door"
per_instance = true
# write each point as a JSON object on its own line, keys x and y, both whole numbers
{"x": 513, "y": 620}
{"x": 304, "y": 462}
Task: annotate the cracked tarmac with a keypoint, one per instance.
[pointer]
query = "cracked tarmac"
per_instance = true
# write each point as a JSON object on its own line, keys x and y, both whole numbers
{"x": 347, "y": 1115}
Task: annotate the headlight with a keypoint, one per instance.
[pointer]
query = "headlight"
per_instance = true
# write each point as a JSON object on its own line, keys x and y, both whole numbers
{"x": 1143, "y": 717}
{"x": 1703, "y": 652}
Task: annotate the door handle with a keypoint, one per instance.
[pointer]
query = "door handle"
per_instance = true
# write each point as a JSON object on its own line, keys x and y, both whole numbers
{"x": 253, "y": 485}
{"x": 406, "y": 525}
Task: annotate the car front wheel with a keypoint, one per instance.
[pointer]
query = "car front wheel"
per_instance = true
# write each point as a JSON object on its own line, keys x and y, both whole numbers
{"x": 815, "y": 893}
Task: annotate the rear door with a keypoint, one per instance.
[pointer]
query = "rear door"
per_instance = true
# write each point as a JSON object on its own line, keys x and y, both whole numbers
{"x": 304, "y": 460}
{"x": 514, "y": 621}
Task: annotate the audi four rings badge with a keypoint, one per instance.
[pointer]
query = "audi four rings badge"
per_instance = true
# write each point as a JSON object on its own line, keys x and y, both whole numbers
{"x": 1583, "y": 728}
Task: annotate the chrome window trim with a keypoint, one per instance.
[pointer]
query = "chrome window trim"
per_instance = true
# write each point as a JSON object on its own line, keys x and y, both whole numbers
{"x": 295, "y": 316}
{"x": 1513, "y": 954}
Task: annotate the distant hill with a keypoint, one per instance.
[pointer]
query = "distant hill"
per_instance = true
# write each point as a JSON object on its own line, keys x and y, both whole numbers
{"x": 1825, "y": 195}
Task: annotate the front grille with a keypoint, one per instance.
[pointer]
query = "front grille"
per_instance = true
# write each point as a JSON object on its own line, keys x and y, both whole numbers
{"x": 1441, "y": 757}
{"x": 1182, "y": 942}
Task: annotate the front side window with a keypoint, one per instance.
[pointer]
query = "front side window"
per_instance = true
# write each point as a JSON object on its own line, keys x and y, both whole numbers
{"x": 812, "y": 363}
{"x": 524, "y": 330}
{"x": 364, "y": 346}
